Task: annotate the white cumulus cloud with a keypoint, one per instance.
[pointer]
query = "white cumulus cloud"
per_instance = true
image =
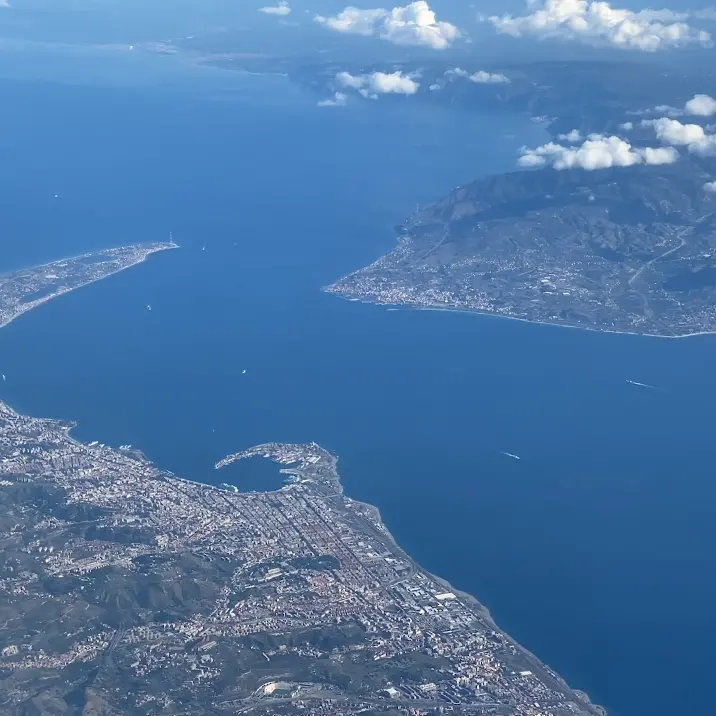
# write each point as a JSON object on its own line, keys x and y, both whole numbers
{"x": 353, "y": 21}
{"x": 339, "y": 99}
{"x": 691, "y": 136}
{"x": 346, "y": 79}
{"x": 414, "y": 24}
{"x": 489, "y": 78}
{"x": 572, "y": 136}
{"x": 710, "y": 186}
{"x": 597, "y": 22}
{"x": 377, "y": 83}
{"x": 596, "y": 152}
{"x": 481, "y": 77}
{"x": 672, "y": 131}
{"x": 701, "y": 105}
{"x": 283, "y": 8}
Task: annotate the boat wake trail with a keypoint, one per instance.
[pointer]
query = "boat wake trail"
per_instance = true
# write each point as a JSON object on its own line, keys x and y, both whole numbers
{"x": 646, "y": 385}
{"x": 509, "y": 454}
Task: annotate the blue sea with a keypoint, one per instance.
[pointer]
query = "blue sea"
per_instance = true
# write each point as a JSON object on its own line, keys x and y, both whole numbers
{"x": 595, "y": 550}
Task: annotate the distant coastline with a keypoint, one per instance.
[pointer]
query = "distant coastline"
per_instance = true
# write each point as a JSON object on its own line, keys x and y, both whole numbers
{"x": 476, "y": 312}
{"x": 524, "y": 245}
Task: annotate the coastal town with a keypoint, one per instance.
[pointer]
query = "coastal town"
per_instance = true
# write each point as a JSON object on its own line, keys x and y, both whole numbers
{"x": 583, "y": 254}
{"x": 118, "y": 568}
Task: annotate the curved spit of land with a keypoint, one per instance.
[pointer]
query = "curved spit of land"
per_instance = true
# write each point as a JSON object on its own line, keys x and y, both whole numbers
{"x": 127, "y": 589}
{"x": 23, "y": 290}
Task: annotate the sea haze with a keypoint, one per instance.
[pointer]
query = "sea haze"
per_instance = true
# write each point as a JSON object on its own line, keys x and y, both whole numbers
{"x": 595, "y": 549}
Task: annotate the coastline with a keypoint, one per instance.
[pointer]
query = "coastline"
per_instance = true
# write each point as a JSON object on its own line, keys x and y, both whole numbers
{"x": 39, "y": 302}
{"x": 489, "y": 314}
{"x": 369, "y": 522}
{"x": 375, "y": 521}
{"x": 152, "y": 248}
{"x": 476, "y": 604}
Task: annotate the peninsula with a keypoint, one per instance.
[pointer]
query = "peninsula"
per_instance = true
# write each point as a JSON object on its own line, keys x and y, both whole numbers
{"x": 129, "y": 590}
{"x": 631, "y": 249}
{"x": 23, "y": 290}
